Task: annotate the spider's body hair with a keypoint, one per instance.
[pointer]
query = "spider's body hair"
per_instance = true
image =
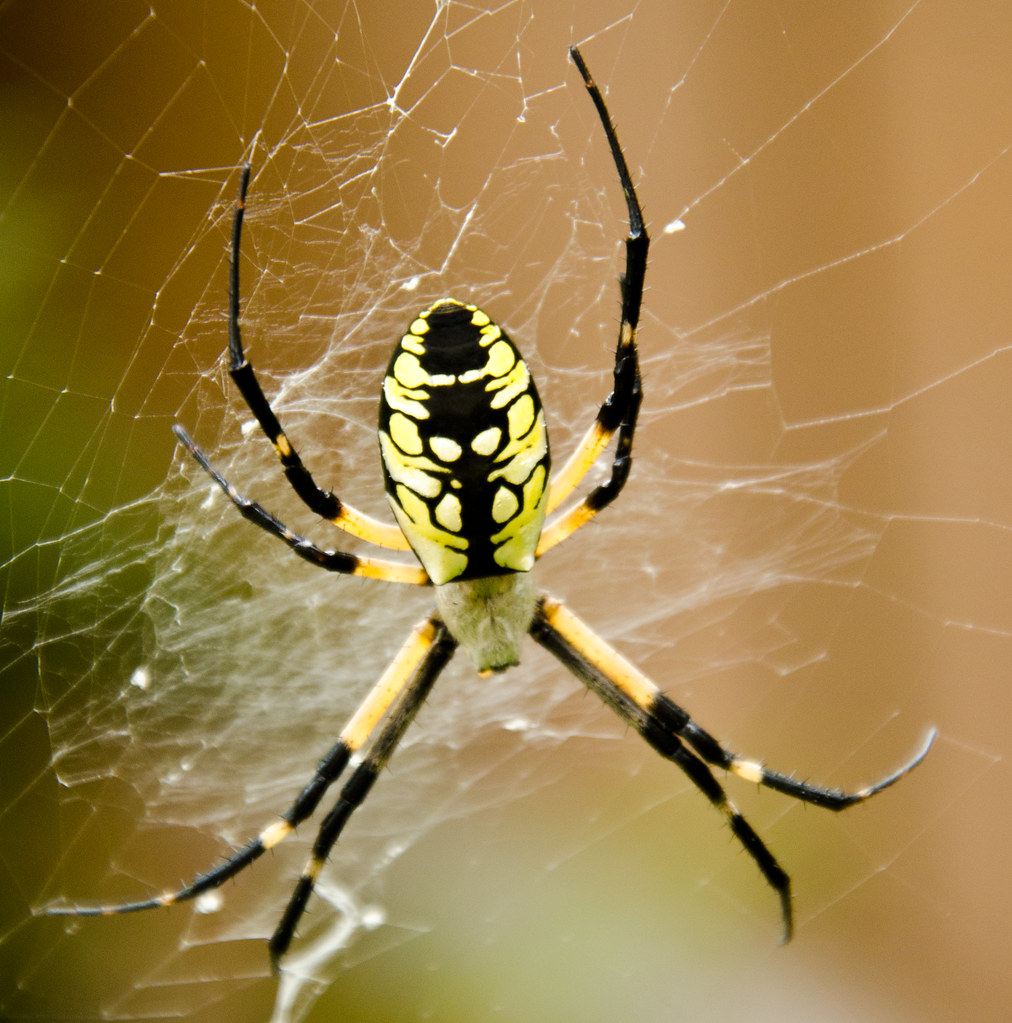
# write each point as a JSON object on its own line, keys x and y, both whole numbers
{"x": 489, "y": 617}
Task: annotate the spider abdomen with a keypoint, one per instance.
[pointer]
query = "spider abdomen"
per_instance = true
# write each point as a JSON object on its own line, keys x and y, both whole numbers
{"x": 464, "y": 446}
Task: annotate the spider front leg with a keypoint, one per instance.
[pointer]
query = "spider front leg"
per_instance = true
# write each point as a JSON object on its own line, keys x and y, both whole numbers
{"x": 324, "y": 503}
{"x": 621, "y": 408}
{"x": 332, "y": 561}
{"x": 667, "y": 728}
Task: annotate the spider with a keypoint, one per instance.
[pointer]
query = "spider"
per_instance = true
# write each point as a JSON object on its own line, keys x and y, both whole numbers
{"x": 465, "y": 458}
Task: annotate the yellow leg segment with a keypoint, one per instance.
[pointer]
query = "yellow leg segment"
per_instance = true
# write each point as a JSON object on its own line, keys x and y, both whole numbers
{"x": 623, "y": 675}
{"x": 388, "y": 688}
{"x": 564, "y": 482}
{"x": 365, "y": 527}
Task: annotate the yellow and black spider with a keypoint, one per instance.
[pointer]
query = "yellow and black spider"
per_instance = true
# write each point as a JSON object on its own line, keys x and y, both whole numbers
{"x": 465, "y": 458}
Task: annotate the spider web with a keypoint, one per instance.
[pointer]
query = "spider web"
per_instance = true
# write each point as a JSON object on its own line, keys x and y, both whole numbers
{"x": 812, "y": 554}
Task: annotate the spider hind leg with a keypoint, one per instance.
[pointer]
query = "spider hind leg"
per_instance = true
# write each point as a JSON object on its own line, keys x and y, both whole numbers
{"x": 671, "y": 732}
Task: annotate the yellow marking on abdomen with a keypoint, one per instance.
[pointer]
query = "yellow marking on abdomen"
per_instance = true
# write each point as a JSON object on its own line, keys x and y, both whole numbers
{"x": 404, "y": 433}
{"x": 446, "y": 449}
{"x": 414, "y": 471}
{"x": 504, "y": 505}
{"x": 486, "y": 442}
{"x": 404, "y": 399}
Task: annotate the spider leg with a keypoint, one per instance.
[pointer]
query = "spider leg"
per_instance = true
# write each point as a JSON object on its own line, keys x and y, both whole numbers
{"x": 332, "y": 561}
{"x": 391, "y": 685}
{"x": 665, "y": 725}
{"x": 621, "y": 408}
{"x": 324, "y": 503}
{"x": 440, "y": 646}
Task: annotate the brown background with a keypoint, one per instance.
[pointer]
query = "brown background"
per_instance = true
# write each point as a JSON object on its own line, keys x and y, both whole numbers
{"x": 814, "y": 554}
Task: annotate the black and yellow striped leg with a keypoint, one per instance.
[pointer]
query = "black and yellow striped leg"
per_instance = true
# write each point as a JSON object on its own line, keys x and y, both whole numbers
{"x": 324, "y": 503}
{"x": 621, "y": 408}
{"x": 332, "y": 561}
{"x": 399, "y": 676}
{"x": 667, "y": 712}
{"x": 667, "y": 727}
{"x": 440, "y": 649}
{"x": 327, "y": 771}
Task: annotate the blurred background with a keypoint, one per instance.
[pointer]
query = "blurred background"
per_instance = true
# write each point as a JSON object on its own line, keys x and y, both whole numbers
{"x": 813, "y": 554}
